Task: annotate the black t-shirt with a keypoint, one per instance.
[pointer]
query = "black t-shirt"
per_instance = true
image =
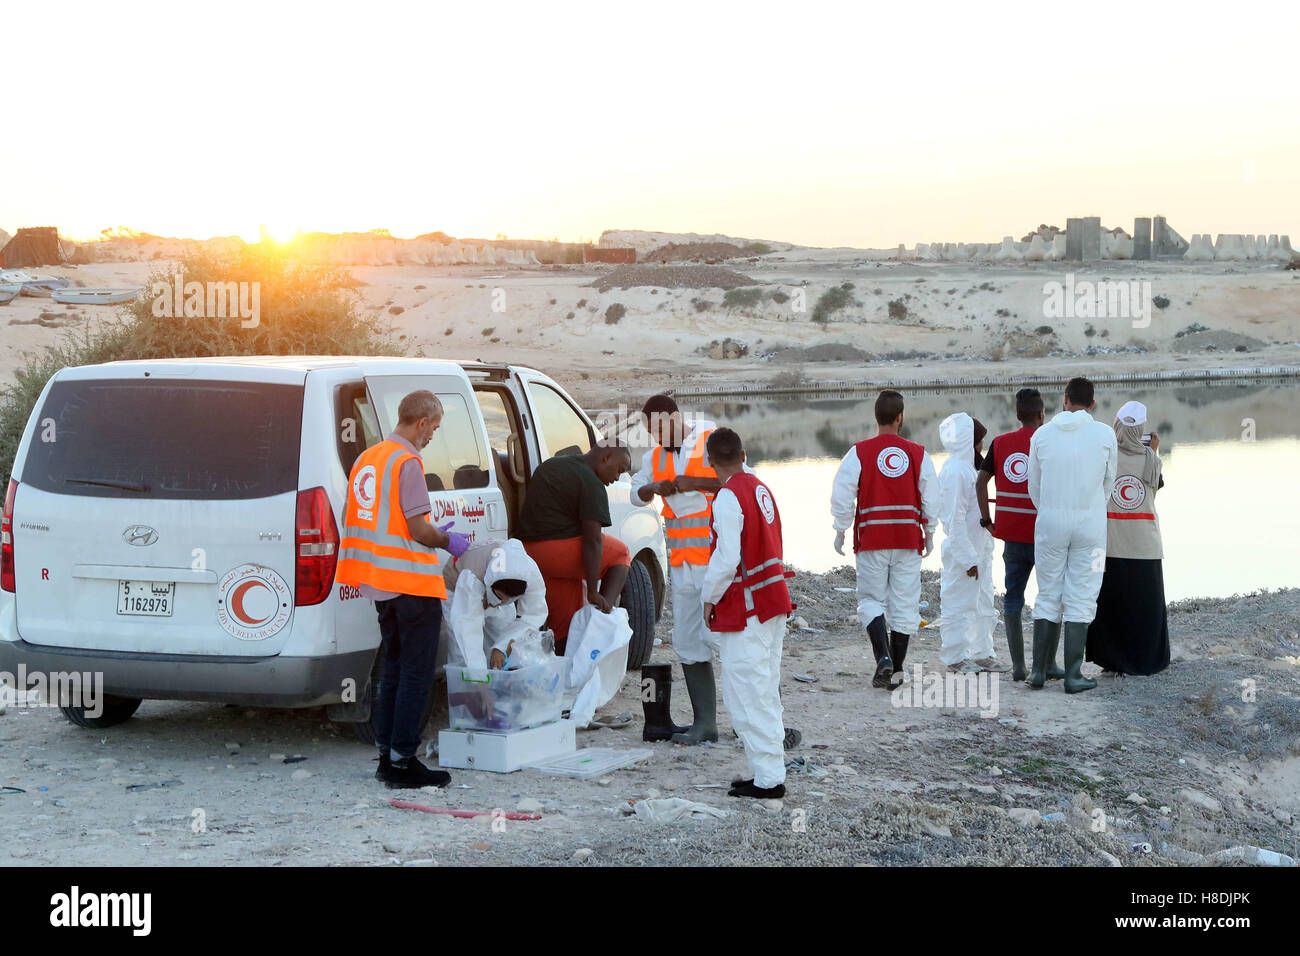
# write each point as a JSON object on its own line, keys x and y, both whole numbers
{"x": 563, "y": 493}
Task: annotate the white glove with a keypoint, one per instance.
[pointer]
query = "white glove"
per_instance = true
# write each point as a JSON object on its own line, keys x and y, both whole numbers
{"x": 929, "y": 544}
{"x": 839, "y": 542}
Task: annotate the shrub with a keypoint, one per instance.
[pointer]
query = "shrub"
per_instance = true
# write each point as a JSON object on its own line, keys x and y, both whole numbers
{"x": 303, "y": 310}
{"x": 615, "y": 313}
{"x": 897, "y": 310}
{"x": 780, "y": 298}
{"x": 831, "y": 301}
{"x": 742, "y": 298}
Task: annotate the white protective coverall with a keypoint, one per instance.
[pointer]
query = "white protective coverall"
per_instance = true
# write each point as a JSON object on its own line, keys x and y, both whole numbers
{"x": 692, "y": 639}
{"x": 1072, "y": 463}
{"x": 967, "y": 603}
{"x": 480, "y": 621}
{"x": 751, "y": 659}
{"x": 889, "y": 579}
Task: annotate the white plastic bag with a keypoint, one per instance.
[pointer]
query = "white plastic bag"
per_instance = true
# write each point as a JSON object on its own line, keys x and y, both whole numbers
{"x": 592, "y": 637}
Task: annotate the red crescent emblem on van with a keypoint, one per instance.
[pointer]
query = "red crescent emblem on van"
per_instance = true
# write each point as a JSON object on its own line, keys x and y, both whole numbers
{"x": 253, "y": 602}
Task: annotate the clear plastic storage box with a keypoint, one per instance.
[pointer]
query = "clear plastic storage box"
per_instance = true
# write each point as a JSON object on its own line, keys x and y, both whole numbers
{"x": 505, "y": 700}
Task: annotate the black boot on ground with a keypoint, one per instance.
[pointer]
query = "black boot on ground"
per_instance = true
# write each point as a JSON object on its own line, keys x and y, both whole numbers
{"x": 655, "y": 699}
{"x": 409, "y": 774}
{"x": 1076, "y": 640}
{"x": 880, "y": 647}
{"x": 384, "y": 764}
{"x": 1016, "y": 646}
{"x": 746, "y": 788}
{"x": 897, "y": 652}
{"x": 704, "y": 705}
{"x": 1047, "y": 634}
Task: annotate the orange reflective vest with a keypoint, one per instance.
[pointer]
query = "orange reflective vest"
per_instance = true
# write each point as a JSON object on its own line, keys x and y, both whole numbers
{"x": 688, "y": 536}
{"x": 377, "y": 547}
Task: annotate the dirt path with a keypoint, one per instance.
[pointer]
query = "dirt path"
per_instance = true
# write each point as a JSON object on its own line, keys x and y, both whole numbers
{"x": 880, "y": 784}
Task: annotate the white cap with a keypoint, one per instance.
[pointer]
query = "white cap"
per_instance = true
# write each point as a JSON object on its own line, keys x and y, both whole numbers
{"x": 1133, "y": 413}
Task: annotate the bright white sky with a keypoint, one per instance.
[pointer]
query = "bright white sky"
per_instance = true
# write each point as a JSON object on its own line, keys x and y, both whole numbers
{"x": 824, "y": 124}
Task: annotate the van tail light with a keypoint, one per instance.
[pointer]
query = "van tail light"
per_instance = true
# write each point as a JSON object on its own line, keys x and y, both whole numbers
{"x": 7, "y": 539}
{"x": 317, "y": 540}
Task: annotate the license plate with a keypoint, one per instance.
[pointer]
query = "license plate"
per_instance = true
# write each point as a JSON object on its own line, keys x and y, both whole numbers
{"x": 146, "y": 598}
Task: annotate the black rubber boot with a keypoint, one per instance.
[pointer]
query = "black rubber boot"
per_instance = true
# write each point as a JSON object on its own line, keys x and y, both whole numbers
{"x": 704, "y": 704}
{"x": 1016, "y": 646}
{"x": 880, "y": 646}
{"x": 1076, "y": 640}
{"x": 746, "y": 788}
{"x": 655, "y": 701}
{"x": 898, "y": 651}
{"x": 1047, "y": 634}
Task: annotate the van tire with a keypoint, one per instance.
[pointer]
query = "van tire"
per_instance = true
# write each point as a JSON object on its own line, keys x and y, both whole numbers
{"x": 638, "y": 599}
{"x": 365, "y": 729}
{"x": 116, "y": 710}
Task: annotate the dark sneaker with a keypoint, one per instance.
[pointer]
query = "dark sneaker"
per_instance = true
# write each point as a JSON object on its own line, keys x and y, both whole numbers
{"x": 384, "y": 764}
{"x": 792, "y": 739}
{"x": 746, "y": 788}
{"x": 409, "y": 774}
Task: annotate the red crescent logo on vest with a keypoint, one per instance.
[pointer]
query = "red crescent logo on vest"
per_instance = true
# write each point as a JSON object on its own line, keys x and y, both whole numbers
{"x": 1016, "y": 467}
{"x": 892, "y": 461}
{"x": 363, "y": 486}
{"x": 765, "y": 503}
{"x": 253, "y": 602}
{"x": 1129, "y": 492}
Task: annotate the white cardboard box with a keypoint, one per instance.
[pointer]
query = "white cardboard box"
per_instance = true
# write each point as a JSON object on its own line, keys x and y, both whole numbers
{"x": 504, "y": 752}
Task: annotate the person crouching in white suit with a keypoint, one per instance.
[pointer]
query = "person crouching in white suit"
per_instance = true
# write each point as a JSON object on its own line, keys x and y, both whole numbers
{"x": 966, "y": 585}
{"x": 498, "y": 595}
{"x": 1072, "y": 464}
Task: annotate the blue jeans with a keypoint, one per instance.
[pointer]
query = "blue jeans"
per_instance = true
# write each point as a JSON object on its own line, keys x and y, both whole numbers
{"x": 1018, "y": 556}
{"x": 410, "y": 625}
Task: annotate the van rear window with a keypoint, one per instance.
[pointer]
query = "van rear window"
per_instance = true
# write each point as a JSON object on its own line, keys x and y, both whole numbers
{"x": 161, "y": 438}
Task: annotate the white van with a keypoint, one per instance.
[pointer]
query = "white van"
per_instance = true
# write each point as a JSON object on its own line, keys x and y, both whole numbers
{"x": 174, "y": 524}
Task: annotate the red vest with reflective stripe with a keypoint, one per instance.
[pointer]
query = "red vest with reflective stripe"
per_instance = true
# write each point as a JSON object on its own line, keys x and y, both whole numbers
{"x": 759, "y": 589}
{"x": 687, "y": 535}
{"x": 377, "y": 548}
{"x": 889, "y": 495}
{"x": 1014, "y": 514}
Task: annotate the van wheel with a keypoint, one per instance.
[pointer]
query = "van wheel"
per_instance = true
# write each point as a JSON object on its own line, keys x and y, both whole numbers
{"x": 115, "y": 710}
{"x": 365, "y": 729}
{"x": 638, "y": 599}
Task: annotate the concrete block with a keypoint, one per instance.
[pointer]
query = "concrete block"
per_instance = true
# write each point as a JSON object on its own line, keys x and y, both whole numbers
{"x": 1074, "y": 240}
{"x": 1057, "y": 252}
{"x": 1008, "y": 251}
{"x": 1165, "y": 242}
{"x": 1037, "y": 251}
{"x": 1200, "y": 250}
{"x": 1091, "y": 238}
{"x": 1142, "y": 237}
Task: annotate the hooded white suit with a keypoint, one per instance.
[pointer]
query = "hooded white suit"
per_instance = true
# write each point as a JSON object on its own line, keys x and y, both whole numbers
{"x": 1072, "y": 463}
{"x": 967, "y": 603}
{"x": 480, "y": 621}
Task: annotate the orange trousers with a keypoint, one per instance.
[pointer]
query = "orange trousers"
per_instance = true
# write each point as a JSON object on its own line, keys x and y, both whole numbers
{"x": 560, "y": 562}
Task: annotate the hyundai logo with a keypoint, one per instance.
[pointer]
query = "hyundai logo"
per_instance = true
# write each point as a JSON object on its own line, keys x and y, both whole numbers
{"x": 140, "y": 535}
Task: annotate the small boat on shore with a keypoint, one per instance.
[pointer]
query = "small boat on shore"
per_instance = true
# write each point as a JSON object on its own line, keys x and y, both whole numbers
{"x": 8, "y": 292}
{"x": 94, "y": 296}
{"x": 44, "y": 286}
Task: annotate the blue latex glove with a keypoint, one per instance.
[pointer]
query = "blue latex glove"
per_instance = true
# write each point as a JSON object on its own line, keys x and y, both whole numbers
{"x": 457, "y": 543}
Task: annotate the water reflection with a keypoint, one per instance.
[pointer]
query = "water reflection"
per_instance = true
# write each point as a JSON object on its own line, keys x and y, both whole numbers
{"x": 1231, "y": 457}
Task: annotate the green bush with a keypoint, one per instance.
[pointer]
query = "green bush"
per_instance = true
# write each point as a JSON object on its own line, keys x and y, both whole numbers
{"x": 303, "y": 310}
{"x": 745, "y": 298}
{"x": 832, "y": 300}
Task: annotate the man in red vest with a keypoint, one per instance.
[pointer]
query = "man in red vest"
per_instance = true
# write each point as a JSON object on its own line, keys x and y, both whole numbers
{"x": 746, "y": 603}
{"x": 887, "y": 491}
{"x": 1007, "y": 464}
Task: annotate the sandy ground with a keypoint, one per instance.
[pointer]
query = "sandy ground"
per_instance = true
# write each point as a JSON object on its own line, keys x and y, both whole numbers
{"x": 961, "y": 320}
{"x": 1179, "y": 761}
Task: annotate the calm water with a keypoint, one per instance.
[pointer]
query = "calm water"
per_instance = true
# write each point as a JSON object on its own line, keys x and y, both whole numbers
{"x": 1229, "y": 511}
